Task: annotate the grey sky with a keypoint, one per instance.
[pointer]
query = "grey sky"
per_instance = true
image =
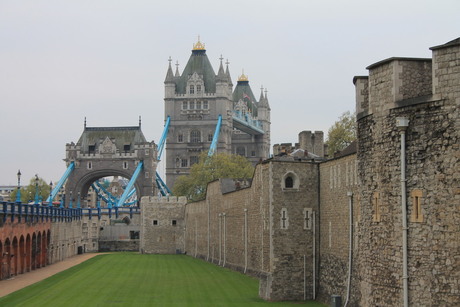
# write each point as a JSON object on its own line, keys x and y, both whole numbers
{"x": 63, "y": 60}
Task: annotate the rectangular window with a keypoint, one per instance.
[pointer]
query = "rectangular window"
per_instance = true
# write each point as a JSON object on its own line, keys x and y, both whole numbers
{"x": 92, "y": 148}
{"x": 192, "y": 105}
{"x": 184, "y": 163}
{"x": 134, "y": 235}
{"x": 198, "y": 105}
{"x": 192, "y": 89}
{"x": 307, "y": 218}
{"x": 198, "y": 89}
{"x": 210, "y": 136}
{"x": 416, "y": 215}
{"x": 253, "y": 153}
{"x": 193, "y": 160}
{"x": 174, "y": 222}
{"x": 376, "y": 207}
{"x": 155, "y": 222}
{"x": 180, "y": 138}
{"x": 205, "y": 105}
{"x": 127, "y": 147}
{"x": 184, "y": 105}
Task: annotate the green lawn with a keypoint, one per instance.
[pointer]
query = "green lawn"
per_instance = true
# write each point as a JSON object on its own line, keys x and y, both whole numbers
{"x": 130, "y": 279}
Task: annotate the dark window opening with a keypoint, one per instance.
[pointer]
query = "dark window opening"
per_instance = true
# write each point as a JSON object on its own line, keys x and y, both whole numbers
{"x": 134, "y": 235}
{"x": 127, "y": 147}
{"x": 289, "y": 182}
{"x": 174, "y": 222}
{"x": 155, "y": 222}
{"x": 92, "y": 148}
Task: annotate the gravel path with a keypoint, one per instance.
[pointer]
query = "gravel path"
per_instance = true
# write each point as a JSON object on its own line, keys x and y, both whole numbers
{"x": 23, "y": 280}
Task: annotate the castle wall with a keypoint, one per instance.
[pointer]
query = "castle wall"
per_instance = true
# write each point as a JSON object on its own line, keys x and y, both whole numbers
{"x": 432, "y": 181}
{"x": 339, "y": 184}
{"x": 163, "y": 225}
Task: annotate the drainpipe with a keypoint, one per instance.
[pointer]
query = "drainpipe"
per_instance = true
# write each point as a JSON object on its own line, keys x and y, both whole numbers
{"x": 350, "y": 244}
{"x": 402, "y": 123}
{"x": 245, "y": 240}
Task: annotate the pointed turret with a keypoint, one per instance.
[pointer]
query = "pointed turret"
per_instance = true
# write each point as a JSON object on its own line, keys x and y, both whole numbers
{"x": 177, "y": 75}
{"x": 243, "y": 92}
{"x": 170, "y": 86}
{"x": 169, "y": 73}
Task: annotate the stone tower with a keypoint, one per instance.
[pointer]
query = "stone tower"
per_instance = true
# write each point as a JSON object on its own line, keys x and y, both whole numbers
{"x": 195, "y": 99}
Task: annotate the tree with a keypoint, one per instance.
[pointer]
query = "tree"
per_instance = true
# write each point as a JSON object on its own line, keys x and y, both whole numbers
{"x": 342, "y": 133}
{"x": 220, "y": 165}
{"x": 28, "y": 192}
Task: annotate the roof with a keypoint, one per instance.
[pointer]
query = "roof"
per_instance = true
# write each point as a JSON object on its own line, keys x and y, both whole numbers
{"x": 397, "y": 59}
{"x": 120, "y": 136}
{"x": 199, "y": 63}
{"x": 242, "y": 91}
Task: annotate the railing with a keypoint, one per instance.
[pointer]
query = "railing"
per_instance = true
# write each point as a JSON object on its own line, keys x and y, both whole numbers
{"x": 39, "y": 213}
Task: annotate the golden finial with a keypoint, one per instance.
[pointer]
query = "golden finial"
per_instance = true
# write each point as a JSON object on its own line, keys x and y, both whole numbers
{"x": 199, "y": 45}
{"x": 243, "y": 77}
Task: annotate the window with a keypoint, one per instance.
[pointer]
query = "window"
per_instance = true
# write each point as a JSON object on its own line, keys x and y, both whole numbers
{"x": 89, "y": 165}
{"x": 198, "y": 105}
{"x": 307, "y": 218}
{"x": 180, "y": 137}
{"x": 192, "y": 89}
{"x": 205, "y": 105}
{"x": 288, "y": 182}
{"x": 284, "y": 220}
{"x": 92, "y": 148}
{"x": 125, "y": 165}
{"x": 155, "y": 222}
{"x": 174, "y": 222}
{"x": 240, "y": 150}
{"x": 253, "y": 153}
{"x": 192, "y": 105}
{"x": 134, "y": 235}
{"x": 184, "y": 163}
{"x": 147, "y": 152}
{"x": 210, "y": 137}
{"x": 127, "y": 147}
{"x": 195, "y": 136}
{"x": 376, "y": 207}
{"x": 198, "y": 89}
{"x": 184, "y": 105}
{"x": 193, "y": 160}
{"x": 416, "y": 215}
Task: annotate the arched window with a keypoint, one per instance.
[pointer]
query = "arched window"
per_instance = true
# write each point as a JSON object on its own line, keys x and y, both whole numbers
{"x": 288, "y": 182}
{"x": 195, "y": 136}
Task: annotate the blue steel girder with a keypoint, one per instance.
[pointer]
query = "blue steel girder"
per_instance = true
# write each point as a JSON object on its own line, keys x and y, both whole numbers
{"x": 215, "y": 138}
{"x": 162, "y": 142}
{"x": 131, "y": 182}
{"x": 61, "y": 182}
{"x": 161, "y": 185}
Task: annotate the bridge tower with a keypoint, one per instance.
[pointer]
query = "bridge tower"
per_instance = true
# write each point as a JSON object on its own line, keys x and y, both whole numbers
{"x": 110, "y": 151}
{"x": 194, "y": 100}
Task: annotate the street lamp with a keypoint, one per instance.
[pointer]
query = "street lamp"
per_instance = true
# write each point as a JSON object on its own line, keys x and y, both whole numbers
{"x": 36, "y": 189}
{"x": 18, "y": 194}
{"x": 51, "y": 194}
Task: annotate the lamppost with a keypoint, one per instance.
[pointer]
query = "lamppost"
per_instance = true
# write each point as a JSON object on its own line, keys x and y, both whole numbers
{"x": 18, "y": 194}
{"x": 50, "y": 203}
{"x": 36, "y": 189}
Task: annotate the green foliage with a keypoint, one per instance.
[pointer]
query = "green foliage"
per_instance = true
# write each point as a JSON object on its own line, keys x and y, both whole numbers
{"x": 129, "y": 279}
{"x": 220, "y": 165}
{"x": 28, "y": 192}
{"x": 342, "y": 133}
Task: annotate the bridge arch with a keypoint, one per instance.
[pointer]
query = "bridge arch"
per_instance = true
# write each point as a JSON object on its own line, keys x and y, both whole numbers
{"x": 110, "y": 151}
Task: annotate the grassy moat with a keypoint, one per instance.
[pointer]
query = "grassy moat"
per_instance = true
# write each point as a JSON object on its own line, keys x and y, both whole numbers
{"x": 130, "y": 279}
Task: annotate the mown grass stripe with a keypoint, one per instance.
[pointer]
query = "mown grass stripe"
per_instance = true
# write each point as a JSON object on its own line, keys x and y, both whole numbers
{"x": 130, "y": 279}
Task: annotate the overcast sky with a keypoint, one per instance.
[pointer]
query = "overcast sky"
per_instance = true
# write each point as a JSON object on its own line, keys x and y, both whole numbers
{"x": 63, "y": 60}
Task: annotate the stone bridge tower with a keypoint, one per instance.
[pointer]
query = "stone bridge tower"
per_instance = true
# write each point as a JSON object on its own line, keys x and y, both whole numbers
{"x": 110, "y": 151}
{"x": 195, "y": 99}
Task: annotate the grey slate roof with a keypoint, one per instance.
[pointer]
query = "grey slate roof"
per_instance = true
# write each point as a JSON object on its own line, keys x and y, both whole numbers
{"x": 119, "y": 135}
{"x": 199, "y": 63}
{"x": 243, "y": 87}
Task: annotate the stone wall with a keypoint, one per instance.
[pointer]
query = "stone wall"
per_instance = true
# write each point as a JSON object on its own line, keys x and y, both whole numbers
{"x": 432, "y": 180}
{"x": 339, "y": 182}
{"x": 163, "y": 225}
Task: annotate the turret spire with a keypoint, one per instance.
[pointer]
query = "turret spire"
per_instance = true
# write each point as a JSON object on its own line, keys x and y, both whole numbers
{"x": 169, "y": 74}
